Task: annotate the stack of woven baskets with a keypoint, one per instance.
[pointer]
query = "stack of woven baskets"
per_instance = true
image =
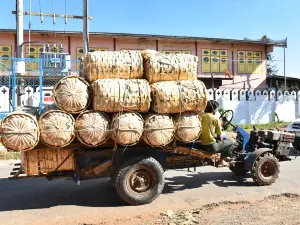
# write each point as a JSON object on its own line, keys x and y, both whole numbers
{"x": 128, "y": 96}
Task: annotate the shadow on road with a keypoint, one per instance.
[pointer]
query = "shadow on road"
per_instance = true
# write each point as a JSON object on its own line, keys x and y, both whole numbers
{"x": 196, "y": 180}
{"x": 37, "y": 193}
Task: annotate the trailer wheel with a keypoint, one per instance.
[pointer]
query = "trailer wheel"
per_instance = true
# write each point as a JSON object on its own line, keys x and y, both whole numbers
{"x": 265, "y": 169}
{"x": 140, "y": 180}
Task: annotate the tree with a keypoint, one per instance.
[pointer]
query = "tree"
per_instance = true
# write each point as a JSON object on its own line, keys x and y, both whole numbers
{"x": 271, "y": 66}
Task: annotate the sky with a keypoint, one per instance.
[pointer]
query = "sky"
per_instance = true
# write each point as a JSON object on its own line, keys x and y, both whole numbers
{"x": 235, "y": 19}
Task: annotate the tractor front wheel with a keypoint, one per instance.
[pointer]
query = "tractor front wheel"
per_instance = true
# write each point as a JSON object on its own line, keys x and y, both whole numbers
{"x": 265, "y": 169}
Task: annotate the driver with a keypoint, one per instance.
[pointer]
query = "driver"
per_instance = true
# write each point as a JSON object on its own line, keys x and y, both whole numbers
{"x": 211, "y": 127}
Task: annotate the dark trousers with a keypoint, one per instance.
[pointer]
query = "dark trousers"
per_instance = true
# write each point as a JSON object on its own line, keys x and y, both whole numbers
{"x": 225, "y": 147}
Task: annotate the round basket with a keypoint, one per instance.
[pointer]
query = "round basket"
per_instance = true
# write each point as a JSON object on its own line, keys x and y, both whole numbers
{"x": 188, "y": 127}
{"x": 127, "y": 128}
{"x": 92, "y": 128}
{"x": 57, "y": 128}
{"x": 72, "y": 94}
{"x": 159, "y": 130}
{"x": 20, "y": 131}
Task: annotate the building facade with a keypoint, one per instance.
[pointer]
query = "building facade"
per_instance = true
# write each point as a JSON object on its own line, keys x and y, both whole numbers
{"x": 244, "y": 60}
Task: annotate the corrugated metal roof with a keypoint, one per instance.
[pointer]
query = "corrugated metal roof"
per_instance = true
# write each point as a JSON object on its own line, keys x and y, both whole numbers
{"x": 264, "y": 40}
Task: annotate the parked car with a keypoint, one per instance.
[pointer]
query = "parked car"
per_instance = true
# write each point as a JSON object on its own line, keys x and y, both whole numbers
{"x": 294, "y": 126}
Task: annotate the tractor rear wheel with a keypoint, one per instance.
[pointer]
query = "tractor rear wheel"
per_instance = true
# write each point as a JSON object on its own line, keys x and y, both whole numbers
{"x": 265, "y": 169}
{"x": 140, "y": 180}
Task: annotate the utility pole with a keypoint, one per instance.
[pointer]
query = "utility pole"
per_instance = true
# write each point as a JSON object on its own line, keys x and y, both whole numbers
{"x": 19, "y": 65}
{"x": 20, "y": 28}
{"x": 85, "y": 27}
{"x": 284, "y": 68}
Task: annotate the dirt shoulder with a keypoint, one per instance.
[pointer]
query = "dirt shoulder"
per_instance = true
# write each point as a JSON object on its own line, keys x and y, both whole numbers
{"x": 273, "y": 210}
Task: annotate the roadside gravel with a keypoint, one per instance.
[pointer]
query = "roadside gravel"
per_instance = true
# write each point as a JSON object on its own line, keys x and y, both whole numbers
{"x": 273, "y": 210}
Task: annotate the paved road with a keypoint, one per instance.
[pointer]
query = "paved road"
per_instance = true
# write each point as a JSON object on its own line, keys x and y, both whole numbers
{"x": 37, "y": 201}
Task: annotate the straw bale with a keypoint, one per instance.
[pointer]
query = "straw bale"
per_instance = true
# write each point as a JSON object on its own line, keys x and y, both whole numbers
{"x": 92, "y": 128}
{"x": 188, "y": 127}
{"x": 178, "y": 96}
{"x": 113, "y": 64}
{"x": 57, "y": 128}
{"x": 44, "y": 160}
{"x": 114, "y": 95}
{"x": 169, "y": 67}
{"x": 20, "y": 130}
{"x": 159, "y": 129}
{"x": 72, "y": 94}
{"x": 127, "y": 128}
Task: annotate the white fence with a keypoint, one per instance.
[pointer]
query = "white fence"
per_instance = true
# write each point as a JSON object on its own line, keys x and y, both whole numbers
{"x": 257, "y": 107}
{"x": 252, "y": 107}
{"x": 31, "y": 97}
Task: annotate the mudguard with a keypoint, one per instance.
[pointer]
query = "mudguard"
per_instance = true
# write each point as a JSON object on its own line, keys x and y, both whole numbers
{"x": 251, "y": 157}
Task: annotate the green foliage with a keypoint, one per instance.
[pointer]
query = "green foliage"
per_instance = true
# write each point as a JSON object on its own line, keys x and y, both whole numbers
{"x": 4, "y": 155}
{"x": 272, "y": 125}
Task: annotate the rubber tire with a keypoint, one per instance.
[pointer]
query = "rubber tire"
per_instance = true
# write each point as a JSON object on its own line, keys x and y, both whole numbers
{"x": 238, "y": 170}
{"x": 256, "y": 176}
{"x": 131, "y": 165}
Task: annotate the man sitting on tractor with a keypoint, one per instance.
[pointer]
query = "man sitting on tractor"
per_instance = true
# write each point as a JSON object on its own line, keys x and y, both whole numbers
{"x": 211, "y": 127}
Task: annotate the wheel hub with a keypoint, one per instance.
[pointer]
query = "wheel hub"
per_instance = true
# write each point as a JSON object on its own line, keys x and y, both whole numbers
{"x": 140, "y": 181}
{"x": 267, "y": 169}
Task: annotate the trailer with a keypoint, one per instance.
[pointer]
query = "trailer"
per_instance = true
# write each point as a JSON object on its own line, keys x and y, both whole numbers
{"x": 137, "y": 172}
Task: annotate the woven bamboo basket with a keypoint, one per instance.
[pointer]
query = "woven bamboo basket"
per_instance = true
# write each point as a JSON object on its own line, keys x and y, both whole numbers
{"x": 188, "y": 127}
{"x": 159, "y": 130}
{"x": 20, "y": 130}
{"x": 115, "y": 95}
{"x": 44, "y": 160}
{"x": 127, "y": 128}
{"x": 178, "y": 96}
{"x": 92, "y": 128}
{"x": 72, "y": 94}
{"x": 57, "y": 128}
{"x": 113, "y": 64}
{"x": 162, "y": 67}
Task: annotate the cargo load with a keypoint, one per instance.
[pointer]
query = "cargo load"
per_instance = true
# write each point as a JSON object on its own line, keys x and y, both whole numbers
{"x": 113, "y": 64}
{"x": 72, "y": 94}
{"x": 178, "y": 96}
{"x": 20, "y": 130}
{"x": 57, "y": 128}
{"x": 188, "y": 127}
{"x": 169, "y": 67}
{"x": 92, "y": 128}
{"x": 159, "y": 129}
{"x": 116, "y": 95}
{"x": 127, "y": 128}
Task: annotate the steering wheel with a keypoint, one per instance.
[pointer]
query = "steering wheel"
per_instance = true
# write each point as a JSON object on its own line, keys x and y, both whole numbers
{"x": 227, "y": 117}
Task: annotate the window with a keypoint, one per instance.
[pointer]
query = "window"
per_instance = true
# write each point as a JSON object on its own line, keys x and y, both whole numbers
{"x": 176, "y": 51}
{"x": 214, "y": 60}
{"x": 250, "y": 62}
{"x": 5, "y": 54}
{"x": 79, "y": 53}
